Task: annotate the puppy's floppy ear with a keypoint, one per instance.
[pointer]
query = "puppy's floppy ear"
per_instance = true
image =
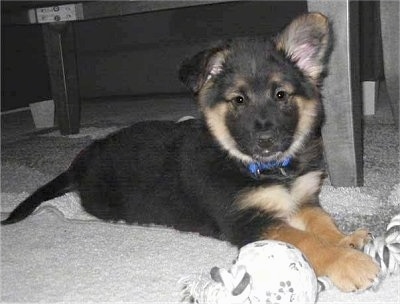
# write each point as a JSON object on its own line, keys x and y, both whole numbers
{"x": 196, "y": 71}
{"x": 307, "y": 42}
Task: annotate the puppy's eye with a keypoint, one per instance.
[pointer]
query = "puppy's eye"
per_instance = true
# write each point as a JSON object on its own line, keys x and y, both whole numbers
{"x": 280, "y": 95}
{"x": 238, "y": 99}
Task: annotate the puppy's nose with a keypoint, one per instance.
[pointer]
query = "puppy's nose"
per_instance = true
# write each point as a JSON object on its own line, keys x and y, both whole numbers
{"x": 263, "y": 124}
{"x": 265, "y": 141}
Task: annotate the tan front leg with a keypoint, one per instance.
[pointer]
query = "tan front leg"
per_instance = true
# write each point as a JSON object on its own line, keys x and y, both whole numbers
{"x": 319, "y": 223}
{"x": 349, "y": 269}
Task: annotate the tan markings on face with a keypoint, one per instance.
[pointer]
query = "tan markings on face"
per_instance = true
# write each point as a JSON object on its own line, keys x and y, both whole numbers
{"x": 287, "y": 87}
{"x": 239, "y": 86}
{"x": 277, "y": 79}
{"x": 280, "y": 200}
{"x": 216, "y": 121}
{"x": 307, "y": 116}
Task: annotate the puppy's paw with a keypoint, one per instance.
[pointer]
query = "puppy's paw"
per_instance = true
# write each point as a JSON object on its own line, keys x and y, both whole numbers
{"x": 352, "y": 270}
{"x": 357, "y": 239}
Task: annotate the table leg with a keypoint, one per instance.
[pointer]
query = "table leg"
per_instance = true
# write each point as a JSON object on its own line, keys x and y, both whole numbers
{"x": 59, "y": 41}
{"x": 342, "y": 133}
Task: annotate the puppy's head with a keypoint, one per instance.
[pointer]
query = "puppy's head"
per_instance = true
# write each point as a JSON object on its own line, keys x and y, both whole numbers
{"x": 261, "y": 99}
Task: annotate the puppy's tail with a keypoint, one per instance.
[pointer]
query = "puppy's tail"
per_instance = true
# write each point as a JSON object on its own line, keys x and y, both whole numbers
{"x": 55, "y": 188}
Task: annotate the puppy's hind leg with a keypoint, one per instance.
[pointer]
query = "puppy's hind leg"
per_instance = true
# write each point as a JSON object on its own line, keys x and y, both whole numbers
{"x": 102, "y": 198}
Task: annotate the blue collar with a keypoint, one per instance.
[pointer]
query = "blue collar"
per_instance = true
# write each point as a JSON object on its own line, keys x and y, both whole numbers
{"x": 257, "y": 168}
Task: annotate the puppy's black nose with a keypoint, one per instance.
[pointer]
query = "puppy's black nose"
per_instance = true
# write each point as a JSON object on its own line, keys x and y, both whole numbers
{"x": 265, "y": 140}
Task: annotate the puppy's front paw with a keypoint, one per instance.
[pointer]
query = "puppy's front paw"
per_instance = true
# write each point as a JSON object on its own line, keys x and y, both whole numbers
{"x": 352, "y": 270}
{"x": 357, "y": 239}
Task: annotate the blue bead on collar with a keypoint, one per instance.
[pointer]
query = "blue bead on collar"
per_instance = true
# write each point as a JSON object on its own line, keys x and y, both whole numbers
{"x": 256, "y": 168}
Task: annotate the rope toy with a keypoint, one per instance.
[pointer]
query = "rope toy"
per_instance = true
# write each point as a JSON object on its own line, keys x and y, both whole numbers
{"x": 385, "y": 250}
{"x": 276, "y": 272}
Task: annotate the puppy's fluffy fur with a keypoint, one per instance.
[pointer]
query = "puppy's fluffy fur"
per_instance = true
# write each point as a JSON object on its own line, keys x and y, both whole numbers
{"x": 251, "y": 168}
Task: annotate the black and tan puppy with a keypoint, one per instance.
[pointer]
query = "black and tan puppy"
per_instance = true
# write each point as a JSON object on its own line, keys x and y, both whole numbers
{"x": 250, "y": 169}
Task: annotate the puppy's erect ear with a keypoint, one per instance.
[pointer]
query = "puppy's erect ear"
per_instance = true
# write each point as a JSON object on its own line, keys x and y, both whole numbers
{"x": 196, "y": 71}
{"x": 307, "y": 41}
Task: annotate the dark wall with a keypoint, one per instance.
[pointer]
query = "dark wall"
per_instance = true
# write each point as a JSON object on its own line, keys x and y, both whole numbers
{"x": 132, "y": 55}
{"x": 140, "y": 54}
{"x": 24, "y": 74}
{"x": 371, "y": 55}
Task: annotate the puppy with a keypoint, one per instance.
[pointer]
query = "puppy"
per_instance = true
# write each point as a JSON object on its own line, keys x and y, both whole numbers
{"x": 250, "y": 169}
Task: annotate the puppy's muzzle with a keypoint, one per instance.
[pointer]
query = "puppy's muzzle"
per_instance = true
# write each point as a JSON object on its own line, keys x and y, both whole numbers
{"x": 265, "y": 141}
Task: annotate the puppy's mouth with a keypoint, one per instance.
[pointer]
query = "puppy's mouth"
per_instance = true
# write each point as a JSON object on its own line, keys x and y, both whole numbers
{"x": 267, "y": 156}
{"x": 270, "y": 149}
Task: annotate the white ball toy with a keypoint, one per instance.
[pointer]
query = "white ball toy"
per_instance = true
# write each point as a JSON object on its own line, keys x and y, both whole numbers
{"x": 279, "y": 273}
{"x": 264, "y": 272}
